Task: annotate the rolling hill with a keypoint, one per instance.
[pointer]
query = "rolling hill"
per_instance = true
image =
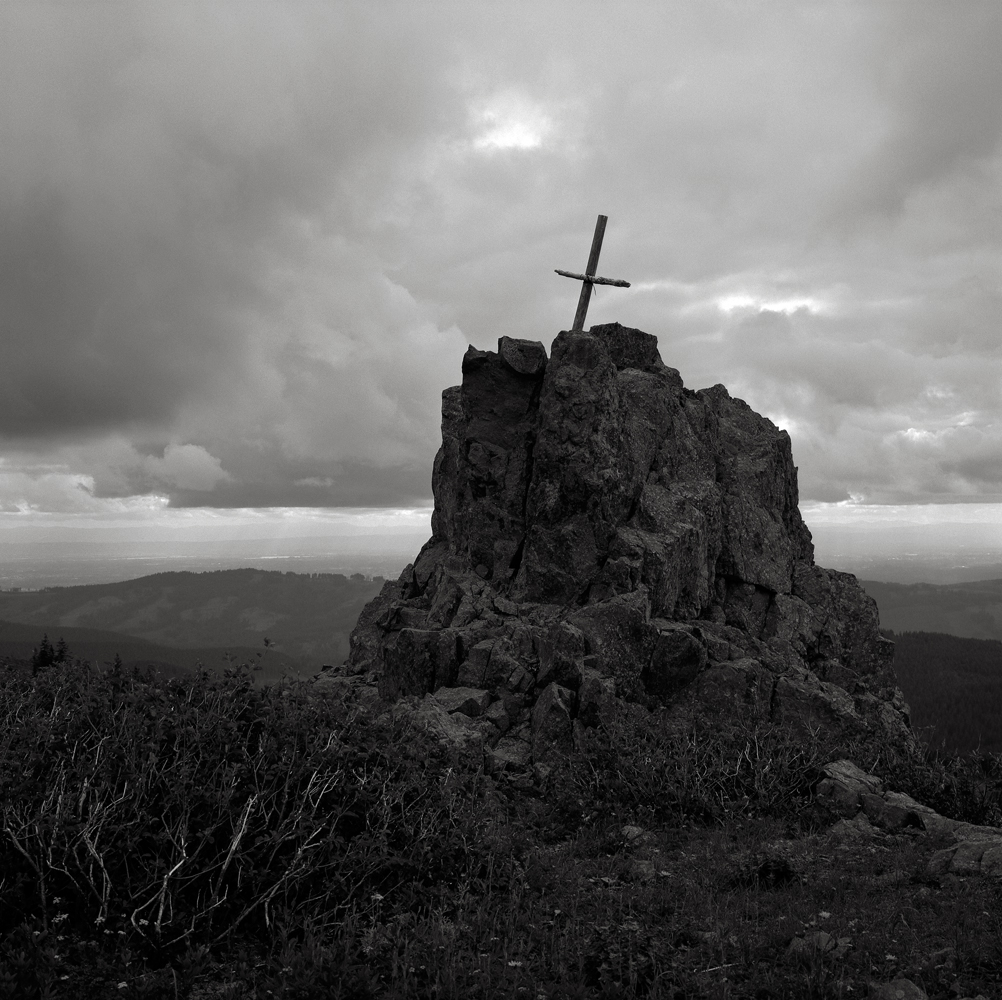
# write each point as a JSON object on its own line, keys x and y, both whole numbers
{"x": 305, "y": 618}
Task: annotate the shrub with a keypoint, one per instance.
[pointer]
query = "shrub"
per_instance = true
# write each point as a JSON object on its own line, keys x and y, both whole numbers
{"x": 168, "y": 815}
{"x": 686, "y": 766}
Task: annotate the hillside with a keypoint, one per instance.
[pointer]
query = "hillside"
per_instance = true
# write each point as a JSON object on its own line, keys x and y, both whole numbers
{"x": 954, "y": 686}
{"x": 100, "y": 648}
{"x": 307, "y": 618}
{"x": 971, "y": 610}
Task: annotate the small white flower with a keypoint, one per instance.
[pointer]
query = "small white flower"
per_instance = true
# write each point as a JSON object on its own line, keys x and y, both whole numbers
{"x": 514, "y": 963}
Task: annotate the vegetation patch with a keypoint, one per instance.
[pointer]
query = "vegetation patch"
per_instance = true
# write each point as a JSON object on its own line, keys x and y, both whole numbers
{"x": 203, "y": 837}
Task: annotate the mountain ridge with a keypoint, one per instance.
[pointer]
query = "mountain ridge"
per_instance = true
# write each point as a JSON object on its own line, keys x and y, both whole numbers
{"x": 306, "y": 618}
{"x": 971, "y": 610}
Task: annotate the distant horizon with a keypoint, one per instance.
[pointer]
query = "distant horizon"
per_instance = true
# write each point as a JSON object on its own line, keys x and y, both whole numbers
{"x": 947, "y": 543}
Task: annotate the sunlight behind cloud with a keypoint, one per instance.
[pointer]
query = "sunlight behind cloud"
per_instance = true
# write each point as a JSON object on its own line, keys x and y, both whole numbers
{"x": 732, "y": 303}
{"x": 510, "y": 121}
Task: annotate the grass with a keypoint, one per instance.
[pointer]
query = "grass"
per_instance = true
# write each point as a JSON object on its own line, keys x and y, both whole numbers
{"x": 206, "y": 838}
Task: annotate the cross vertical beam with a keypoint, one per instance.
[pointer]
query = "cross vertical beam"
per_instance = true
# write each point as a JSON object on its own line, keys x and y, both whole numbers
{"x": 586, "y": 286}
{"x": 588, "y": 279}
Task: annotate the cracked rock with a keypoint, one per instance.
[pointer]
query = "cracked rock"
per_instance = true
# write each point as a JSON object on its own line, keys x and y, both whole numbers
{"x": 602, "y": 533}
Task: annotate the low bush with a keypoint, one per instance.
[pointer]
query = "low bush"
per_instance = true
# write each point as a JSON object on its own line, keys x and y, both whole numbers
{"x": 687, "y": 767}
{"x": 168, "y": 815}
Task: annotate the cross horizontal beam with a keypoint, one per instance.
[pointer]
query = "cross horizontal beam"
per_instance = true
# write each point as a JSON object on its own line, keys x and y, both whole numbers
{"x": 618, "y": 282}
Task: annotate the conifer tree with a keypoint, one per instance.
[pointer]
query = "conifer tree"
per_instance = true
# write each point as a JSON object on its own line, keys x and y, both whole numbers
{"x": 43, "y": 655}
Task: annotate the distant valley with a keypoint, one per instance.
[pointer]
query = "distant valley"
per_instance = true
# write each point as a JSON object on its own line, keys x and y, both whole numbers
{"x": 971, "y": 610}
{"x": 306, "y": 618}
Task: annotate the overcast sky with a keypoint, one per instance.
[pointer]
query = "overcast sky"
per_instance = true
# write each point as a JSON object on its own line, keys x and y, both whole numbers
{"x": 245, "y": 246}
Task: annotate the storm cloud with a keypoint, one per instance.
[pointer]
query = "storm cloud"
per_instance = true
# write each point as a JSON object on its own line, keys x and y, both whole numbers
{"x": 244, "y": 247}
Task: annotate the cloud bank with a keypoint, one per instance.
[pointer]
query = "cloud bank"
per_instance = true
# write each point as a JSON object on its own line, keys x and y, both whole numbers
{"x": 243, "y": 248}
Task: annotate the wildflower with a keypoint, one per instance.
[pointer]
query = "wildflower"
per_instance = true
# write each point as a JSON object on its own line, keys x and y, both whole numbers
{"x": 824, "y": 914}
{"x": 514, "y": 963}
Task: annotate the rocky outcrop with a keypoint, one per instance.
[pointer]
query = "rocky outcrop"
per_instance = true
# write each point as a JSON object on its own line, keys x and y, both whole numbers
{"x": 866, "y": 806}
{"x": 600, "y": 533}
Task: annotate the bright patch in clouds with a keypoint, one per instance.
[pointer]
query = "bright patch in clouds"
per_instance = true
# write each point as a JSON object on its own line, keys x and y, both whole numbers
{"x": 734, "y": 303}
{"x": 510, "y": 121}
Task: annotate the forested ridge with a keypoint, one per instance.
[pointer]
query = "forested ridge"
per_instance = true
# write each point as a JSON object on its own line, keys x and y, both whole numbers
{"x": 953, "y": 686}
{"x": 306, "y": 618}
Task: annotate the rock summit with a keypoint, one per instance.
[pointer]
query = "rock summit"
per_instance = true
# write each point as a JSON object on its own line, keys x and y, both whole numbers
{"x": 600, "y": 534}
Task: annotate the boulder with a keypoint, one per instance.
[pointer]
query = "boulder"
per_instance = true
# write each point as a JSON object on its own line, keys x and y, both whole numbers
{"x": 898, "y": 989}
{"x": 843, "y": 786}
{"x": 497, "y": 714}
{"x": 511, "y": 754}
{"x": 465, "y": 700}
{"x": 456, "y": 731}
{"x": 974, "y": 854}
{"x": 867, "y": 808}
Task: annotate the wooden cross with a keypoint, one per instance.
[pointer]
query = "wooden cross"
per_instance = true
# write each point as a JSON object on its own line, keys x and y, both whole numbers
{"x": 588, "y": 278}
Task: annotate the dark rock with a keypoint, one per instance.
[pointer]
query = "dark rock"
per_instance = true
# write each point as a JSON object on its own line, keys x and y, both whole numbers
{"x": 454, "y": 730}
{"x": 510, "y": 754}
{"x": 552, "y": 726}
{"x": 465, "y": 700}
{"x": 596, "y": 699}
{"x": 819, "y": 945}
{"x": 417, "y": 661}
{"x": 898, "y": 989}
{"x": 603, "y": 533}
{"x": 473, "y": 670}
{"x": 497, "y": 714}
{"x": 677, "y": 658}
{"x": 866, "y": 807}
{"x": 843, "y": 786}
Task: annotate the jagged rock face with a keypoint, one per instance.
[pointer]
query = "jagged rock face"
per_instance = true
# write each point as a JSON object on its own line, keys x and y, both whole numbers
{"x": 601, "y": 528}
